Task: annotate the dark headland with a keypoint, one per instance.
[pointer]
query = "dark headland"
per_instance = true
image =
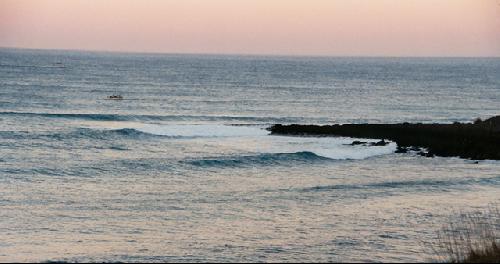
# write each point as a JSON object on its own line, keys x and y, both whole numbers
{"x": 478, "y": 141}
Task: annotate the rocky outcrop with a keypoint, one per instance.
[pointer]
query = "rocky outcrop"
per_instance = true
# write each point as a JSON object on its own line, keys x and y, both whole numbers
{"x": 479, "y": 140}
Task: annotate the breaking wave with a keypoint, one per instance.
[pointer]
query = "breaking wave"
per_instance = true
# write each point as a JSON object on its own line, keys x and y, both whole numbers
{"x": 266, "y": 159}
{"x": 80, "y": 133}
{"x": 141, "y": 131}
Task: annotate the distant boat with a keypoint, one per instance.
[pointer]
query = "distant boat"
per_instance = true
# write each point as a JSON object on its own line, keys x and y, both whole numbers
{"x": 115, "y": 97}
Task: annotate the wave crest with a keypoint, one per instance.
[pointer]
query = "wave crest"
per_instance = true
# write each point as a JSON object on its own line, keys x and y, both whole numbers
{"x": 266, "y": 159}
{"x": 420, "y": 185}
{"x": 80, "y": 133}
{"x": 124, "y": 117}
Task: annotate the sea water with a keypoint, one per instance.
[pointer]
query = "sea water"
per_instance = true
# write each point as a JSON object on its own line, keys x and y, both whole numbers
{"x": 183, "y": 169}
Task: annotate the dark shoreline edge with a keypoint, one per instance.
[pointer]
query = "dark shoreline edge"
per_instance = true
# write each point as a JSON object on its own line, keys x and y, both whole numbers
{"x": 477, "y": 141}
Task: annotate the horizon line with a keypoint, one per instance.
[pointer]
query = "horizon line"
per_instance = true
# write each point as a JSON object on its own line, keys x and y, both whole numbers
{"x": 130, "y": 52}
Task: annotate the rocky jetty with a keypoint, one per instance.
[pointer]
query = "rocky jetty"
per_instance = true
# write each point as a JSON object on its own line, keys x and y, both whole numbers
{"x": 479, "y": 140}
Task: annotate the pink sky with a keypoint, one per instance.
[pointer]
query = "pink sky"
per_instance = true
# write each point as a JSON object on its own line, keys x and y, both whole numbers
{"x": 294, "y": 27}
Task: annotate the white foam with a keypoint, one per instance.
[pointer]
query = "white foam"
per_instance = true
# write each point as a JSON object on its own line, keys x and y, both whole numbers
{"x": 252, "y": 139}
{"x": 337, "y": 148}
{"x": 355, "y": 152}
{"x": 256, "y": 139}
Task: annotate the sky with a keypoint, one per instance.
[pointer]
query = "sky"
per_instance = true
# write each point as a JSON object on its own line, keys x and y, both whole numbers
{"x": 280, "y": 27}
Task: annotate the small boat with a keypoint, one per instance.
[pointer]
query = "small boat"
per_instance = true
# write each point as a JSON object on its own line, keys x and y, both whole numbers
{"x": 115, "y": 97}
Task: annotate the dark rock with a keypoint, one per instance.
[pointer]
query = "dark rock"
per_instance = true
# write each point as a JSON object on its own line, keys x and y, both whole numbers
{"x": 400, "y": 149}
{"x": 492, "y": 124}
{"x": 473, "y": 141}
{"x": 355, "y": 143}
{"x": 426, "y": 154}
{"x": 380, "y": 143}
{"x": 414, "y": 148}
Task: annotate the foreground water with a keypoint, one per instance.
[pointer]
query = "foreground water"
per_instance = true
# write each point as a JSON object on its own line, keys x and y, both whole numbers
{"x": 183, "y": 170}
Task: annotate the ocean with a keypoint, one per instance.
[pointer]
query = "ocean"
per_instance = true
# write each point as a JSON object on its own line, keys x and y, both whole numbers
{"x": 183, "y": 169}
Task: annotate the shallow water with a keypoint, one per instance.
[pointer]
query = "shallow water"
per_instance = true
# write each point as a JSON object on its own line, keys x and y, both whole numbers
{"x": 184, "y": 170}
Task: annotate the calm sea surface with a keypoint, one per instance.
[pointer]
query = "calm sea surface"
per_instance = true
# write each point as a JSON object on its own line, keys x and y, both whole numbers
{"x": 184, "y": 170}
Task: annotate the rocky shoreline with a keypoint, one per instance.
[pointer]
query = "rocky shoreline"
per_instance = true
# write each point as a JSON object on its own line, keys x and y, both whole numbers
{"x": 478, "y": 141}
